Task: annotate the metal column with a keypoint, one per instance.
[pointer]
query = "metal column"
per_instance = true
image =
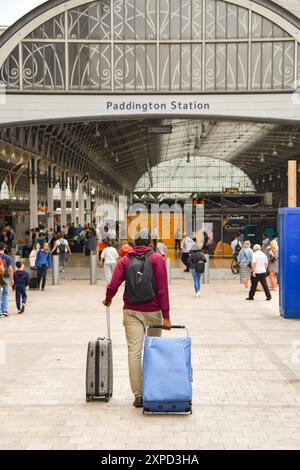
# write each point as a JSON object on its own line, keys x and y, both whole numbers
{"x": 55, "y": 270}
{"x": 33, "y": 194}
{"x": 81, "y": 204}
{"x": 63, "y": 220}
{"x": 88, "y": 204}
{"x": 93, "y": 270}
{"x": 206, "y": 275}
{"x": 73, "y": 187}
{"x": 50, "y": 210}
{"x": 63, "y": 200}
{"x": 169, "y": 270}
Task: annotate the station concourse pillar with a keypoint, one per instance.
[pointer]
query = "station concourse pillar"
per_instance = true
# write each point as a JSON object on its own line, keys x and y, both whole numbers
{"x": 50, "y": 206}
{"x": 88, "y": 205}
{"x": 292, "y": 183}
{"x": 97, "y": 204}
{"x": 63, "y": 201}
{"x": 50, "y": 201}
{"x": 81, "y": 204}
{"x": 33, "y": 194}
{"x": 73, "y": 187}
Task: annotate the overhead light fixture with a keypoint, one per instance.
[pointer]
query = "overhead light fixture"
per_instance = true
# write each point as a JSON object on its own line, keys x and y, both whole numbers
{"x": 274, "y": 153}
{"x": 160, "y": 129}
{"x": 117, "y": 159}
{"x": 262, "y": 158}
{"x": 105, "y": 143}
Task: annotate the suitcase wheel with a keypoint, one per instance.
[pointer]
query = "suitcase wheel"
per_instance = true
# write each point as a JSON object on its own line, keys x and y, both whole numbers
{"x": 89, "y": 398}
{"x": 107, "y": 399}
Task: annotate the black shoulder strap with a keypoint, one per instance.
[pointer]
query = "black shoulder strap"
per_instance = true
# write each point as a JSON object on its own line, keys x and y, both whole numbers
{"x": 146, "y": 255}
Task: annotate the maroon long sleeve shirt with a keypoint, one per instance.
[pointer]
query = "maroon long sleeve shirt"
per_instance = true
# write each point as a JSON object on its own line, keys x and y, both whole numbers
{"x": 160, "y": 301}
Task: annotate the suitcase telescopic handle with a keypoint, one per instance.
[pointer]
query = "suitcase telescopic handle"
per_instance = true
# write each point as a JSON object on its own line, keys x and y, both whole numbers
{"x": 173, "y": 327}
{"x": 108, "y": 323}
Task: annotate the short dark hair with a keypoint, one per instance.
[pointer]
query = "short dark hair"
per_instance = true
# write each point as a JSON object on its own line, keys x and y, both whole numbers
{"x": 2, "y": 246}
{"x": 19, "y": 264}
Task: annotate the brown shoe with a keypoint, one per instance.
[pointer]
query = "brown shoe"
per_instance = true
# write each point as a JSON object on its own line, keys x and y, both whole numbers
{"x": 138, "y": 402}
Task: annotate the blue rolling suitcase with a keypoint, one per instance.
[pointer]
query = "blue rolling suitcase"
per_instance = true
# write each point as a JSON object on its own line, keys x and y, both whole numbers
{"x": 167, "y": 374}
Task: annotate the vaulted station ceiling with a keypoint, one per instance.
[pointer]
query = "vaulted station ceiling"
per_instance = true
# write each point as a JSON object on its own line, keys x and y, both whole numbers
{"x": 114, "y": 155}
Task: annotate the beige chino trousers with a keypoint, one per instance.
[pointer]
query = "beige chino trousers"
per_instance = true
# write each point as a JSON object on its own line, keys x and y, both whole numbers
{"x": 135, "y": 324}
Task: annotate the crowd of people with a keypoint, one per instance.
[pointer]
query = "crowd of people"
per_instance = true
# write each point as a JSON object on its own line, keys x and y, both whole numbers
{"x": 259, "y": 264}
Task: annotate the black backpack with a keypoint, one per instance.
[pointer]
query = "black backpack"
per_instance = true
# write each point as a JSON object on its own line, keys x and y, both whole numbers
{"x": 198, "y": 260}
{"x": 62, "y": 248}
{"x": 140, "y": 282}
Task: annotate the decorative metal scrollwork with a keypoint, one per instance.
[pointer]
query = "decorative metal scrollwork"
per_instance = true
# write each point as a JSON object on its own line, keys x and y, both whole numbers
{"x": 127, "y": 45}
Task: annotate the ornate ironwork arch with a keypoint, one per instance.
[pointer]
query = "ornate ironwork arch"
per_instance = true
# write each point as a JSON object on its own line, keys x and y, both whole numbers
{"x": 152, "y": 46}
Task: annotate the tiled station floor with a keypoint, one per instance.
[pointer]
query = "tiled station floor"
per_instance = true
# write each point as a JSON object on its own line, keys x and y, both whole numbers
{"x": 246, "y": 363}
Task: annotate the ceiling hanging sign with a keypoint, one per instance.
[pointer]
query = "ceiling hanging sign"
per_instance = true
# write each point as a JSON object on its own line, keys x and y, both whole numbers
{"x": 34, "y": 108}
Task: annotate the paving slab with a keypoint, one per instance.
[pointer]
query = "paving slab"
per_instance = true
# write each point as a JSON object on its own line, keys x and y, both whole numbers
{"x": 246, "y": 374}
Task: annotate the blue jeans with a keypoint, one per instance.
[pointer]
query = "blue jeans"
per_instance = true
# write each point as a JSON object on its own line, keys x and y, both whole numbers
{"x": 4, "y": 299}
{"x": 21, "y": 294}
{"x": 62, "y": 260}
{"x": 196, "y": 277}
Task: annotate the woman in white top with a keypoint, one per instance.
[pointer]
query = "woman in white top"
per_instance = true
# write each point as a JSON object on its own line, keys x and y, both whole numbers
{"x": 109, "y": 258}
{"x": 61, "y": 248}
{"x": 33, "y": 255}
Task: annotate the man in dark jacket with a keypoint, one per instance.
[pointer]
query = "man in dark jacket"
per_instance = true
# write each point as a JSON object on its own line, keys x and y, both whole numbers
{"x": 21, "y": 281}
{"x": 137, "y": 316}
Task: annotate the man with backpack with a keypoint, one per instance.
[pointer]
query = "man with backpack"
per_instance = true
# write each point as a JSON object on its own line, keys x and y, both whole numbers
{"x": 62, "y": 248}
{"x": 8, "y": 280}
{"x": 146, "y": 302}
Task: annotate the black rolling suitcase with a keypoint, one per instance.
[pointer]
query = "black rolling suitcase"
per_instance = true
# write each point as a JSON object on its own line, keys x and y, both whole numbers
{"x": 33, "y": 279}
{"x": 99, "y": 367}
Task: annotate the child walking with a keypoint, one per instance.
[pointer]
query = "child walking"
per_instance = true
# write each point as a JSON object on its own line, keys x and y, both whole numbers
{"x": 21, "y": 281}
